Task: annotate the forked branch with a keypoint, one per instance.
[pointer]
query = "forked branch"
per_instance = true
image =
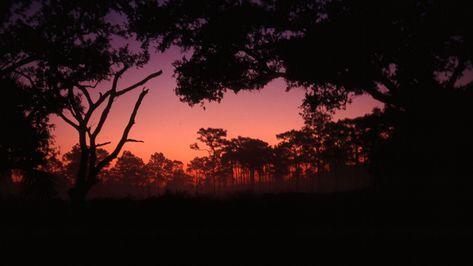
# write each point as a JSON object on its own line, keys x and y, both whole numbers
{"x": 126, "y": 131}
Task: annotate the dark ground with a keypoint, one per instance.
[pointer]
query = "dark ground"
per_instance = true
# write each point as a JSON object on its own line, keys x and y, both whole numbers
{"x": 290, "y": 229}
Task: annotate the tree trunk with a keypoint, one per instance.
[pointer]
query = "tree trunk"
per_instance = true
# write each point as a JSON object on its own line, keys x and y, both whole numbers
{"x": 214, "y": 184}
{"x": 252, "y": 177}
{"x": 78, "y": 193}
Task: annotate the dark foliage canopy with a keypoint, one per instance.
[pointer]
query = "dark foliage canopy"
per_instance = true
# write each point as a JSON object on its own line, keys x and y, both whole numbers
{"x": 414, "y": 56}
{"x": 399, "y": 52}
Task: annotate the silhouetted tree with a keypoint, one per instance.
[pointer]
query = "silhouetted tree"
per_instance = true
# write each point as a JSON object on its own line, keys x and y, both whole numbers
{"x": 179, "y": 182}
{"x": 412, "y": 56}
{"x": 200, "y": 168}
{"x": 25, "y": 136}
{"x": 159, "y": 170}
{"x": 90, "y": 166}
{"x": 71, "y": 160}
{"x": 331, "y": 47}
{"x": 129, "y": 174}
{"x": 62, "y": 50}
{"x": 251, "y": 154}
{"x": 45, "y": 182}
{"x": 280, "y": 163}
{"x": 214, "y": 140}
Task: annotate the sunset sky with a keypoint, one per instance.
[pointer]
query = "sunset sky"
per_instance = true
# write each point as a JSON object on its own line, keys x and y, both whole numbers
{"x": 169, "y": 126}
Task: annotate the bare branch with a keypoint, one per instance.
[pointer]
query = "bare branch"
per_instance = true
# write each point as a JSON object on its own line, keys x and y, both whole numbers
{"x": 89, "y": 132}
{"x": 124, "y": 137}
{"x": 102, "y": 144}
{"x": 67, "y": 120}
{"x": 103, "y": 97}
{"x": 75, "y": 110}
{"x": 134, "y": 140}
{"x": 112, "y": 94}
{"x": 111, "y": 97}
{"x": 456, "y": 74}
{"x": 89, "y": 86}
{"x": 142, "y": 82}
{"x": 86, "y": 93}
{"x": 118, "y": 75}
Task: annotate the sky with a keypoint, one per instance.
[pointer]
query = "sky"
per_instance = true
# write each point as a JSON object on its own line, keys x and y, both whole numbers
{"x": 167, "y": 125}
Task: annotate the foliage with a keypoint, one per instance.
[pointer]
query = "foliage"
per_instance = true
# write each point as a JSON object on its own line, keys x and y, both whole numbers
{"x": 416, "y": 57}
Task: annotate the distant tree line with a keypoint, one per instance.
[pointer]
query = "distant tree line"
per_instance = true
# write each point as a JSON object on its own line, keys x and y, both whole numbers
{"x": 324, "y": 156}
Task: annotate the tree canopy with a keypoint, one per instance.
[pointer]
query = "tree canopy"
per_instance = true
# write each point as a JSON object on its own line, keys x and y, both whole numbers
{"x": 416, "y": 57}
{"x": 399, "y": 52}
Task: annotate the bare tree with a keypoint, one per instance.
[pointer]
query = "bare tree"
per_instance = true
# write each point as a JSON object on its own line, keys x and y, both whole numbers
{"x": 78, "y": 116}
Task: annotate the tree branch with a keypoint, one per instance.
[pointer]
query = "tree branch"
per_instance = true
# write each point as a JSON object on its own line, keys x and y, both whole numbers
{"x": 75, "y": 111}
{"x": 89, "y": 86}
{"x": 103, "y": 97}
{"x": 390, "y": 85}
{"x": 134, "y": 140}
{"x": 30, "y": 80}
{"x": 86, "y": 93}
{"x": 142, "y": 82}
{"x": 16, "y": 65}
{"x": 103, "y": 144}
{"x": 67, "y": 120}
{"x": 260, "y": 62}
{"x": 455, "y": 74}
{"x": 111, "y": 98}
{"x": 124, "y": 137}
{"x": 382, "y": 97}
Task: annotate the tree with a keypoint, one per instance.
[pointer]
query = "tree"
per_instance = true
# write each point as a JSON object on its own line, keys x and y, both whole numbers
{"x": 331, "y": 47}
{"x": 159, "y": 170}
{"x": 45, "y": 182}
{"x": 129, "y": 173}
{"x": 90, "y": 166}
{"x": 200, "y": 168}
{"x": 179, "y": 181}
{"x": 413, "y": 56}
{"x": 297, "y": 144}
{"x": 251, "y": 154}
{"x": 214, "y": 140}
{"x": 71, "y": 160}
{"x": 63, "y": 50}
{"x": 25, "y": 136}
